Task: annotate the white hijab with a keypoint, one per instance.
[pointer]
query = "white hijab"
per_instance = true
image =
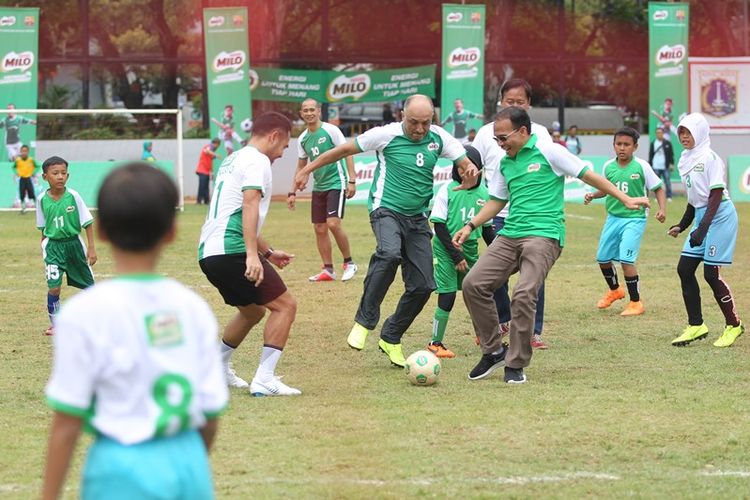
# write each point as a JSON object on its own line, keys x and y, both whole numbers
{"x": 698, "y": 126}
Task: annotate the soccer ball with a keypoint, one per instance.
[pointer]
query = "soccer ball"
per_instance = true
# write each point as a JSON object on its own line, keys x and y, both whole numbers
{"x": 422, "y": 368}
{"x": 247, "y": 125}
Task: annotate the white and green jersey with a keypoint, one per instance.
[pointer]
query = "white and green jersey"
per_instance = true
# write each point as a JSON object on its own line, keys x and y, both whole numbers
{"x": 403, "y": 176}
{"x": 222, "y": 232}
{"x": 633, "y": 179}
{"x": 702, "y": 177}
{"x": 456, "y": 208}
{"x": 460, "y": 120}
{"x": 63, "y": 218}
{"x": 12, "y": 128}
{"x": 310, "y": 145}
{"x": 138, "y": 358}
{"x": 534, "y": 182}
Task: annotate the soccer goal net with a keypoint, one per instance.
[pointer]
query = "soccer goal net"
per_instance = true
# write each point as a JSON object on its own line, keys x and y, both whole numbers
{"x": 92, "y": 141}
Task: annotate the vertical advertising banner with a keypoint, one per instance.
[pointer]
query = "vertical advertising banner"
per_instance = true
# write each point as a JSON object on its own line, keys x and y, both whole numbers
{"x": 668, "y": 28}
{"x": 462, "y": 76}
{"x": 227, "y": 74}
{"x": 19, "y": 42}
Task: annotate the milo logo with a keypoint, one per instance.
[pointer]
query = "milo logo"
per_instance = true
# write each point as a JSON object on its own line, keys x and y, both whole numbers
{"x": 670, "y": 55}
{"x": 17, "y": 61}
{"x": 344, "y": 86}
{"x": 464, "y": 57}
{"x": 229, "y": 60}
{"x": 216, "y": 21}
{"x": 7, "y": 21}
{"x": 454, "y": 17}
{"x": 660, "y": 15}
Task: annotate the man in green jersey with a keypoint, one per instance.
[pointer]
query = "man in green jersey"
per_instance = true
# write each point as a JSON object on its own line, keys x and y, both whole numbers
{"x": 332, "y": 186}
{"x": 401, "y": 191}
{"x": 621, "y": 236}
{"x": 12, "y": 125}
{"x": 460, "y": 118}
{"x": 532, "y": 178}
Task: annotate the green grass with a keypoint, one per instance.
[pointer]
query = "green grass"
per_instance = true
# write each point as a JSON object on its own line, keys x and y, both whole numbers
{"x": 611, "y": 409}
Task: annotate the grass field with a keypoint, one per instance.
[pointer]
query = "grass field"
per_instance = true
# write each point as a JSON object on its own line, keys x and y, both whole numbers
{"x": 611, "y": 409}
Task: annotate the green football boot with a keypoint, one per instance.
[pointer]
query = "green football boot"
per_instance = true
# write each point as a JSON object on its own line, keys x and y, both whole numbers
{"x": 691, "y": 334}
{"x": 730, "y": 335}
{"x": 357, "y": 337}
{"x": 394, "y": 353}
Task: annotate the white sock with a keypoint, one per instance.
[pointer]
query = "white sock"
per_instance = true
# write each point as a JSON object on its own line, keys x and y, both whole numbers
{"x": 268, "y": 359}
{"x": 226, "y": 353}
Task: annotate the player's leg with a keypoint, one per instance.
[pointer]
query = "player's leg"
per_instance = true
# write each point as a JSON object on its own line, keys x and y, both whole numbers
{"x": 691, "y": 295}
{"x": 23, "y": 192}
{"x": 77, "y": 267}
{"x": 318, "y": 216}
{"x": 234, "y": 333}
{"x": 608, "y": 251}
{"x": 630, "y": 245}
{"x": 335, "y": 214}
{"x": 446, "y": 280}
{"x": 501, "y": 295}
{"x": 536, "y": 340}
{"x": 54, "y": 267}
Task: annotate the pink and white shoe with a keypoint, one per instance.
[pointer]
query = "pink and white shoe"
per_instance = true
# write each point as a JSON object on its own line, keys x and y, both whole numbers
{"x": 324, "y": 275}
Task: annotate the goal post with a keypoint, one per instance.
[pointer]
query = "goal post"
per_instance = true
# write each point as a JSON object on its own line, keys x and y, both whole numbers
{"x": 178, "y": 169}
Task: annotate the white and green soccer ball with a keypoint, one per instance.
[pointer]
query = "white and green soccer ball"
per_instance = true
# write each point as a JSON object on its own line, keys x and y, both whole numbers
{"x": 422, "y": 368}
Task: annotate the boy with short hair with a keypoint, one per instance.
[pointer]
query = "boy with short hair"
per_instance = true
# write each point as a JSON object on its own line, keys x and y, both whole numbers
{"x": 26, "y": 169}
{"x": 61, "y": 214}
{"x": 621, "y": 236}
{"x": 136, "y": 359}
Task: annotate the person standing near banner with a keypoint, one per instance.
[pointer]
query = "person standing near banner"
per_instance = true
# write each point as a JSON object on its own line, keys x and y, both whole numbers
{"x": 12, "y": 125}
{"x": 460, "y": 118}
{"x": 398, "y": 201}
{"x": 332, "y": 186}
{"x": 661, "y": 158}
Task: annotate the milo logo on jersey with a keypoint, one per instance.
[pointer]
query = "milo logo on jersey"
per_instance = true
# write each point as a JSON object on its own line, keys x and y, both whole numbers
{"x": 345, "y": 86}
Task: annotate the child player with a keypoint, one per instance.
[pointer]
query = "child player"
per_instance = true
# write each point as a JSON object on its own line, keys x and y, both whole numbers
{"x": 136, "y": 360}
{"x": 449, "y": 214}
{"x": 621, "y": 236}
{"x": 26, "y": 169}
{"x": 713, "y": 236}
{"x": 61, "y": 214}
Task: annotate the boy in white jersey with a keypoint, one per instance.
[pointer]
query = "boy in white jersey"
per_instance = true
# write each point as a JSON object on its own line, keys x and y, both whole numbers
{"x": 237, "y": 260}
{"x": 713, "y": 236}
{"x": 136, "y": 360}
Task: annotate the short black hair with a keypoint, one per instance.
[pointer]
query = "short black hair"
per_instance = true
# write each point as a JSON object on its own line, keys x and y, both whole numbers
{"x": 53, "y": 160}
{"x": 628, "y": 131}
{"x": 24, "y": 146}
{"x": 268, "y": 122}
{"x": 136, "y": 205}
{"x": 515, "y": 83}
{"x": 517, "y": 116}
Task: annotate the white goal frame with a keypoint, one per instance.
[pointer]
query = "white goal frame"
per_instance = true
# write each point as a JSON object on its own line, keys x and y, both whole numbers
{"x": 179, "y": 173}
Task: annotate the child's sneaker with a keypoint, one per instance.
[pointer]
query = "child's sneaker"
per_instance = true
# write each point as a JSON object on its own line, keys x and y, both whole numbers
{"x": 350, "y": 270}
{"x": 324, "y": 275}
{"x": 730, "y": 335}
{"x": 691, "y": 334}
{"x": 610, "y": 297}
{"x": 439, "y": 350}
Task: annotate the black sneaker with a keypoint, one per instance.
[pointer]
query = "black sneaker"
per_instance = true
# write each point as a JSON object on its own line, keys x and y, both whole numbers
{"x": 514, "y": 375}
{"x": 488, "y": 364}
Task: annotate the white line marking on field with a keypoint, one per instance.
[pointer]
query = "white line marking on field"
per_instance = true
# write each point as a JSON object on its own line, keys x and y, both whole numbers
{"x": 576, "y": 216}
{"x": 726, "y": 473}
{"x": 13, "y": 487}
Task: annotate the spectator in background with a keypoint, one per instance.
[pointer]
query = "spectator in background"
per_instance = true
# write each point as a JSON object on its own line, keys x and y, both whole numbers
{"x": 205, "y": 169}
{"x": 147, "y": 155}
{"x": 572, "y": 142}
{"x": 557, "y": 139}
{"x": 661, "y": 158}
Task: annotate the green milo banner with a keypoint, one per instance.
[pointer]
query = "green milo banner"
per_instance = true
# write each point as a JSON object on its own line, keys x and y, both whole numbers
{"x": 19, "y": 41}
{"x": 227, "y": 74}
{"x": 462, "y": 76}
{"x": 668, "y": 25}
{"x": 738, "y": 178}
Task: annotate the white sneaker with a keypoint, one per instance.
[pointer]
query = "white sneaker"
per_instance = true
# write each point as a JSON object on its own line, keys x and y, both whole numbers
{"x": 350, "y": 270}
{"x": 273, "y": 387}
{"x": 233, "y": 380}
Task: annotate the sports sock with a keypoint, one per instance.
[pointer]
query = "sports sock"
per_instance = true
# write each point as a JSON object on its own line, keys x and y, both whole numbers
{"x": 633, "y": 288}
{"x": 691, "y": 292}
{"x": 439, "y": 323}
{"x": 268, "y": 359}
{"x": 53, "y": 305}
{"x": 722, "y": 294}
{"x": 328, "y": 267}
{"x": 610, "y": 276}
{"x": 226, "y": 351}
{"x": 347, "y": 260}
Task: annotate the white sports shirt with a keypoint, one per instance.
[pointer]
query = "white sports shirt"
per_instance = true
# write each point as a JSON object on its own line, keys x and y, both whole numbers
{"x": 702, "y": 178}
{"x": 138, "y": 357}
{"x": 222, "y": 232}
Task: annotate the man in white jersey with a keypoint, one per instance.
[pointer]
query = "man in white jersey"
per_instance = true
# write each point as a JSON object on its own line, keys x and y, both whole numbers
{"x": 401, "y": 191}
{"x": 332, "y": 186}
{"x": 136, "y": 360}
{"x": 515, "y": 92}
{"x": 236, "y": 259}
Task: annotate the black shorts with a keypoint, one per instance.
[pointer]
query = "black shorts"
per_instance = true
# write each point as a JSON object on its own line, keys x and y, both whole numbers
{"x": 227, "y": 274}
{"x": 327, "y": 204}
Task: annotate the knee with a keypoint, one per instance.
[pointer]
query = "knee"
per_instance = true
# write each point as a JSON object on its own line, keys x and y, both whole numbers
{"x": 711, "y": 274}
{"x": 320, "y": 228}
{"x": 333, "y": 223}
{"x": 288, "y": 305}
{"x": 685, "y": 270}
{"x": 471, "y": 285}
{"x": 388, "y": 257}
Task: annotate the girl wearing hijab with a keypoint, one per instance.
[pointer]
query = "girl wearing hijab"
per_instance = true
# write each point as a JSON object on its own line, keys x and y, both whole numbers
{"x": 713, "y": 234}
{"x": 147, "y": 154}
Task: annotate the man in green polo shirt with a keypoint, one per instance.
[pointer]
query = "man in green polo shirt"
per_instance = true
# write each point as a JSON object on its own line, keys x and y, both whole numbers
{"x": 400, "y": 194}
{"x": 532, "y": 178}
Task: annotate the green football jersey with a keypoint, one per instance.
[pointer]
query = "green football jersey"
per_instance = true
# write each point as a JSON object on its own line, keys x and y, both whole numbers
{"x": 310, "y": 145}
{"x": 632, "y": 179}
{"x": 12, "y": 127}
{"x": 403, "y": 176}
{"x": 460, "y": 120}
{"x": 456, "y": 208}
{"x": 62, "y": 218}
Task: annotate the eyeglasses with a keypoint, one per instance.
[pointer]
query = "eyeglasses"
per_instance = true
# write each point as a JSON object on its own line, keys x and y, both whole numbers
{"x": 504, "y": 138}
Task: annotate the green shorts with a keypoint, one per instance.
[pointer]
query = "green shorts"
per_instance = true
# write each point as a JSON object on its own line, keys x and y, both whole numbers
{"x": 447, "y": 279}
{"x": 66, "y": 256}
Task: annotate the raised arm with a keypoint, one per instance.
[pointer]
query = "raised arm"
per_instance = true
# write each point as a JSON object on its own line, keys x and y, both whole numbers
{"x": 331, "y": 156}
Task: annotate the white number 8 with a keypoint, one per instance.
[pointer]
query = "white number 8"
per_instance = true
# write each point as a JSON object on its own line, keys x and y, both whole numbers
{"x": 420, "y": 159}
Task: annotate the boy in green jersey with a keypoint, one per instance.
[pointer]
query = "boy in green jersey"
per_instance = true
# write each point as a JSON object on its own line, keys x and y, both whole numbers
{"x": 622, "y": 233}
{"x": 61, "y": 214}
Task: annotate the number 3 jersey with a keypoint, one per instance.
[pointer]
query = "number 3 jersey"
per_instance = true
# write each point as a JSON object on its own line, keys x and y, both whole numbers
{"x": 137, "y": 357}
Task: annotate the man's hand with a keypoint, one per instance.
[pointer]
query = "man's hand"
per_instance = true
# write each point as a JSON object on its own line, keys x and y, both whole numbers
{"x": 351, "y": 190}
{"x": 462, "y": 266}
{"x": 254, "y": 269}
{"x": 661, "y": 216}
{"x": 300, "y": 181}
{"x": 674, "y": 231}
{"x": 468, "y": 177}
{"x": 636, "y": 203}
{"x": 587, "y": 198}
{"x": 461, "y": 236}
{"x": 291, "y": 201}
{"x": 91, "y": 258}
{"x": 280, "y": 258}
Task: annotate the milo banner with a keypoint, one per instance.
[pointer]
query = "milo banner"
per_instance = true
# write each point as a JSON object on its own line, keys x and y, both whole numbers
{"x": 225, "y": 33}
{"x": 291, "y": 85}
{"x": 19, "y": 40}
{"x": 668, "y": 67}
{"x": 462, "y": 77}
{"x": 738, "y": 178}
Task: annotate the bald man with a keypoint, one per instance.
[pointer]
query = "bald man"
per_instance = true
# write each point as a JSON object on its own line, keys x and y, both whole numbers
{"x": 398, "y": 202}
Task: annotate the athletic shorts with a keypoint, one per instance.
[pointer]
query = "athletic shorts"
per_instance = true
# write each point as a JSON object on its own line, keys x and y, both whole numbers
{"x": 327, "y": 204}
{"x": 718, "y": 246}
{"x": 447, "y": 278}
{"x": 169, "y": 467}
{"x": 620, "y": 240}
{"x": 66, "y": 256}
{"x": 227, "y": 274}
